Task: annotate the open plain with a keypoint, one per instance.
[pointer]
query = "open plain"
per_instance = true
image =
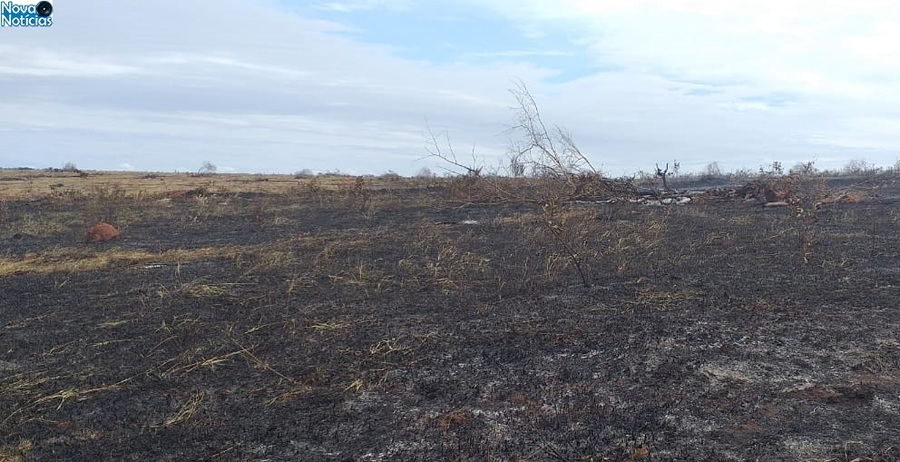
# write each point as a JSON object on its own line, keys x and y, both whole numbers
{"x": 270, "y": 318}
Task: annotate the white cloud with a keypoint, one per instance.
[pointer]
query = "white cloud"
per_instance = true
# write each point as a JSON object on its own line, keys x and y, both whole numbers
{"x": 746, "y": 106}
{"x": 42, "y": 62}
{"x": 786, "y": 44}
{"x": 350, "y": 6}
{"x": 260, "y": 87}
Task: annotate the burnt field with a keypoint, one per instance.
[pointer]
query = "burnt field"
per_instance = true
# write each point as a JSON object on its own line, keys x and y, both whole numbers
{"x": 347, "y": 322}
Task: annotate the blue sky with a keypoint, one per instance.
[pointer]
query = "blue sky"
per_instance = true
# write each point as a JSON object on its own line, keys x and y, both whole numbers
{"x": 444, "y": 33}
{"x": 280, "y": 86}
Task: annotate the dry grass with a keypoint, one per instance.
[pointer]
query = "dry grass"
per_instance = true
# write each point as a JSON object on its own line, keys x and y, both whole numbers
{"x": 24, "y": 383}
{"x": 330, "y": 326}
{"x": 667, "y": 299}
{"x": 199, "y": 289}
{"x": 70, "y": 259}
{"x": 60, "y": 397}
{"x": 270, "y": 260}
{"x": 186, "y": 411}
{"x": 35, "y": 184}
{"x": 187, "y": 362}
{"x": 454, "y": 419}
{"x": 38, "y": 224}
{"x": 16, "y": 452}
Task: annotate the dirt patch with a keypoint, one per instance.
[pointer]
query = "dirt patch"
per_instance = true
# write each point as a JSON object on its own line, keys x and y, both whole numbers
{"x": 101, "y": 232}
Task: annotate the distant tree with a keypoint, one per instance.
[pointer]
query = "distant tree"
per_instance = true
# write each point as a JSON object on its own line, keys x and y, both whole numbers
{"x": 804, "y": 168}
{"x": 775, "y": 169}
{"x": 390, "y": 175}
{"x": 858, "y": 167}
{"x": 425, "y": 172}
{"x": 516, "y": 165}
{"x": 712, "y": 170}
{"x": 208, "y": 168}
{"x": 334, "y": 174}
{"x": 663, "y": 174}
{"x": 305, "y": 173}
{"x": 69, "y": 167}
{"x": 742, "y": 175}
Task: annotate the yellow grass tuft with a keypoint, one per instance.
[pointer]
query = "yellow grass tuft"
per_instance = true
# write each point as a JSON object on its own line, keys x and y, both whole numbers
{"x": 666, "y": 300}
{"x": 70, "y": 259}
{"x": 186, "y": 410}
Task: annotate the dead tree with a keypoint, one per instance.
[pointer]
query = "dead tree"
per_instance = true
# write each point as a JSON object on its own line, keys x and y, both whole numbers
{"x": 663, "y": 174}
{"x": 546, "y": 154}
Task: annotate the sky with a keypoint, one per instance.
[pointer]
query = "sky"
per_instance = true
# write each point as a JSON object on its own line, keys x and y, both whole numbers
{"x": 358, "y": 86}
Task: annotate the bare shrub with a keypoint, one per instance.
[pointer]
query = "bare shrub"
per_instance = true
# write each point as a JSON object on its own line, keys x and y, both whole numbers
{"x": 354, "y": 194}
{"x": 804, "y": 168}
{"x": 712, "y": 171}
{"x": 425, "y": 173}
{"x": 550, "y": 168}
{"x": 663, "y": 174}
{"x": 549, "y": 153}
{"x": 107, "y": 203}
{"x": 207, "y": 168}
{"x": 305, "y": 173}
{"x": 860, "y": 167}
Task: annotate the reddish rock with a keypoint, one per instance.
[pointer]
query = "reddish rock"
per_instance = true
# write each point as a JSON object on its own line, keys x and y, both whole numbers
{"x": 101, "y": 232}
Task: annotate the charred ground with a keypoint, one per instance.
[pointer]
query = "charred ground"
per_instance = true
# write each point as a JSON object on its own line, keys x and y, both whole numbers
{"x": 354, "y": 323}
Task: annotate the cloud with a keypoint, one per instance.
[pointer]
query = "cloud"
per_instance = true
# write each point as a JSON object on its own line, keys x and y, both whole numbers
{"x": 22, "y": 61}
{"x": 820, "y": 48}
{"x": 349, "y": 85}
{"x": 348, "y": 6}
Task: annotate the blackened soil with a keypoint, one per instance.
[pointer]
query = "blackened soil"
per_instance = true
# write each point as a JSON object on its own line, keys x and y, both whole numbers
{"x": 386, "y": 326}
